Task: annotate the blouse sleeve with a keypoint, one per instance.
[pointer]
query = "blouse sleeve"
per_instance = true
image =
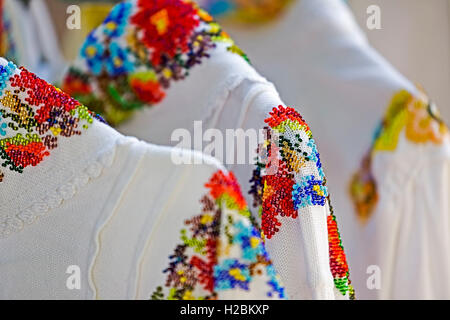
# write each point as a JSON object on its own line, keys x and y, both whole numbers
{"x": 221, "y": 255}
{"x": 306, "y": 249}
{"x": 289, "y": 185}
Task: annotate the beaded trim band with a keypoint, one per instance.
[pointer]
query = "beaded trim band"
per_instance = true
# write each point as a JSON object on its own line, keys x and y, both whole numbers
{"x": 140, "y": 49}
{"x": 220, "y": 250}
{"x": 420, "y": 122}
{"x": 33, "y": 115}
{"x": 290, "y": 177}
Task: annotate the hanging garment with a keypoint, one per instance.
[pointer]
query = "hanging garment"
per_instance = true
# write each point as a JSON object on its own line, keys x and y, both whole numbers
{"x": 401, "y": 192}
{"x": 318, "y": 56}
{"x": 88, "y": 213}
{"x": 164, "y": 71}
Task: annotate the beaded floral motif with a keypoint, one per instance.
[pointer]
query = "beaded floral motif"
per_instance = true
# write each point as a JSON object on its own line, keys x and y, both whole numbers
{"x": 141, "y": 48}
{"x": 420, "y": 122}
{"x": 33, "y": 115}
{"x": 220, "y": 250}
{"x": 290, "y": 178}
{"x": 283, "y": 191}
{"x": 246, "y": 10}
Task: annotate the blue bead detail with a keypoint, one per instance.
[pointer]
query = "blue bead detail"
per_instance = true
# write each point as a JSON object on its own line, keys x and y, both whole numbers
{"x": 5, "y": 73}
{"x": 309, "y": 192}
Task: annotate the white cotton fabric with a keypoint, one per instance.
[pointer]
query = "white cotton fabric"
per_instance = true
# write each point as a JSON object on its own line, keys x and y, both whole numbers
{"x": 320, "y": 59}
{"x": 129, "y": 208}
{"x": 122, "y": 194}
{"x": 99, "y": 206}
{"x": 225, "y": 92}
{"x": 409, "y": 230}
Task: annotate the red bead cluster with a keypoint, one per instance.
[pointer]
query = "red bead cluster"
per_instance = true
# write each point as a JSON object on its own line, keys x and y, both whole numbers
{"x": 51, "y": 101}
{"x": 277, "y": 116}
{"x": 36, "y": 113}
{"x": 25, "y": 155}
{"x": 205, "y": 269}
{"x": 277, "y": 186}
{"x": 277, "y": 200}
{"x": 338, "y": 261}
{"x": 221, "y": 184}
{"x": 148, "y": 91}
{"x": 166, "y": 25}
{"x": 76, "y": 84}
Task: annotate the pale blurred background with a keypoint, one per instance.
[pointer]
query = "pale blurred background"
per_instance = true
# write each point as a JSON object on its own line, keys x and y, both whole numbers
{"x": 415, "y": 38}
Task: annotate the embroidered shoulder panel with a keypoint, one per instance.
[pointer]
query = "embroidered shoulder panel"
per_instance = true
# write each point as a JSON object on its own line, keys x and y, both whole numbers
{"x": 419, "y": 120}
{"x": 289, "y": 177}
{"x": 142, "y": 47}
{"x": 220, "y": 251}
{"x": 33, "y": 116}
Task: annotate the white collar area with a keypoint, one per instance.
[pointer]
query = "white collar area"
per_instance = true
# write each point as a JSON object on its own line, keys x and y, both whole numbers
{"x": 65, "y": 168}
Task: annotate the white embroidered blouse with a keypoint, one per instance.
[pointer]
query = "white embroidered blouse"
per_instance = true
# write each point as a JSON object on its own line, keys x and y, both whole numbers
{"x": 86, "y": 212}
{"x": 379, "y": 136}
{"x": 168, "y": 80}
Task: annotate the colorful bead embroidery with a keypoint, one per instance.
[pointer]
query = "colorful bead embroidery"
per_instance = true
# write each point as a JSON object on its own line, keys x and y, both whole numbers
{"x": 309, "y": 192}
{"x": 252, "y": 11}
{"x": 206, "y": 261}
{"x": 338, "y": 260}
{"x": 419, "y": 119}
{"x": 295, "y": 148}
{"x": 291, "y": 178}
{"x": 142, "y": 46}
{"x": 276, "y": 202}
{"x": 33, "y": 114}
